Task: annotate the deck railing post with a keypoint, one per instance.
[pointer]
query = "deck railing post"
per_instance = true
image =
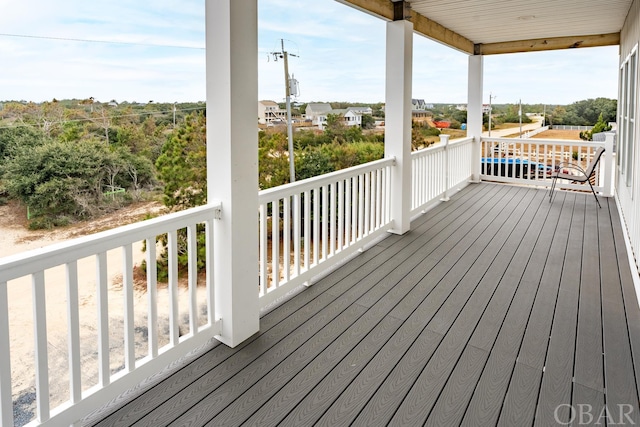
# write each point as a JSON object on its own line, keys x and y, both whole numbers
{"x": 444, "y": 140}
{"x": 608, "y": 164}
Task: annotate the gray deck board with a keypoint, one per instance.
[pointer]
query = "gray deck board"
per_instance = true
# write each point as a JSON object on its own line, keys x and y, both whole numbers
{"x": 496, "y": 308}
{"x": 618, "y": 361}
{"x": 556, "y": 383}
{"x": 588, "y": 369}
{"x": 628, "y": 291}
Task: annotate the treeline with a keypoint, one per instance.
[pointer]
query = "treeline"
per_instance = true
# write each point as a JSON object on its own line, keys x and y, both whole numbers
{"x": 74, "y": 159}
{"x": 584, "y": 113}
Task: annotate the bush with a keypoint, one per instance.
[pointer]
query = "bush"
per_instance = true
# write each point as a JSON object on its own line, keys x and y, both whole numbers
{"x": 67, "y": 179}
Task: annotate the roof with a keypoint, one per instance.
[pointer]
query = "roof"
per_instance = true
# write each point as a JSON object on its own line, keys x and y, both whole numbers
{"x": 319, "y": 107}
{"x": 360, "y": 110}
{"x": 507, "y": 26}
{"x": 268, "y": 103}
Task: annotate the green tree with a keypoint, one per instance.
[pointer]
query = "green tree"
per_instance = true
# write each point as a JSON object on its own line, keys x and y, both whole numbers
{"x": 273, "y": 159}
{"x": 14, "y": 138}
{"x": 182, "y": 166}
{"x": 313, "y": 161}
{"x": 368, "y": 122}
{"x": 600, "y": 126}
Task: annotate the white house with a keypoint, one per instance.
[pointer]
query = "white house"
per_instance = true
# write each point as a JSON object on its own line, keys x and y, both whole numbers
{"x": 351, "y": 116}
{"x": 317, "y": 112}
{"x": 268, "y": 111}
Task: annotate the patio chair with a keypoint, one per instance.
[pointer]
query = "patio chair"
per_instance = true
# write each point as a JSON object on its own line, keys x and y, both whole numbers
{"x": 584, "y": 176}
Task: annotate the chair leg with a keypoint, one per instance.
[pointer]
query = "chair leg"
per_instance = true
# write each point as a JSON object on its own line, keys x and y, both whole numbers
{"x": 553, "y": 186}
{"x": 594, "y": 194}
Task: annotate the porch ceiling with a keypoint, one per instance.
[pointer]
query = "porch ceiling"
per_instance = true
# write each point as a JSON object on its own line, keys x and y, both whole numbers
{"x": 507, "y": 26}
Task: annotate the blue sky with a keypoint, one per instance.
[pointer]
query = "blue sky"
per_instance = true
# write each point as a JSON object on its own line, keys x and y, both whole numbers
{"x": 156, "y": 53}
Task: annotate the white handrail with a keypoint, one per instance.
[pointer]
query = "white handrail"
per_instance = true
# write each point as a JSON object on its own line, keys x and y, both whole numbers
{"x": 109, "y": 386}
{"x": 438, "y": 169}
{"x": 320, "y": 180}
{"x": 324, "y": 219}
{"x": 21, "y": 264}
{"x": 531, "y": 161}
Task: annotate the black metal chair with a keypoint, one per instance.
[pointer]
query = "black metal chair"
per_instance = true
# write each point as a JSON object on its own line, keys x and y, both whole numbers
{"x": 584, "y": 177}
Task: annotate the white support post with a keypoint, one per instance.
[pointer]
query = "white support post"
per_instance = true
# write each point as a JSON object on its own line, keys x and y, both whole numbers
{"x": 398, "y": 120}
{"x": 444, "y": 140}
{"x": 232, "y": 162}
{"x": 609, "y": 165}
{"x": 474, "y": 111}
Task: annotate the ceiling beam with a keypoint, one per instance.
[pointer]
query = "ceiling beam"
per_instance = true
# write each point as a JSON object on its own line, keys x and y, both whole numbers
{"x": 435, "y": 31}
{"x": 421, "y": 24}
{"x": 554, "y": 43}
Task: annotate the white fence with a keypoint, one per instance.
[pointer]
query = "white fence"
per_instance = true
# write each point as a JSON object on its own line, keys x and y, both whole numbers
{"x": 571, "y": 127}
{"x": 534, "y": 132}
{"x": 144, "y": 348}
{"x": 438, "y": 170}
{"x": 531, "y": 161}
{"x": 309, "y": 226}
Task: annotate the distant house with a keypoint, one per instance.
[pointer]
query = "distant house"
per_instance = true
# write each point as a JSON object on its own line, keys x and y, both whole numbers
{"x": 317, "y": 113}
{"x": 421, "y": 115}
{"x": 361, "y": 110}
{"x": 351, "y": 116}
{"x": 419, "y": 110}
{"x": 418, "y": 105}
{"x": 270, "y": 111}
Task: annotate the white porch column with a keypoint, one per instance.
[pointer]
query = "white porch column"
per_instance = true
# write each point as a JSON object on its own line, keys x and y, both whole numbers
{"x": 232, "y": 161}
{"x": 474, "y": 111}
{"x": 609, "y": 165}
{"x": 398, "y": 119}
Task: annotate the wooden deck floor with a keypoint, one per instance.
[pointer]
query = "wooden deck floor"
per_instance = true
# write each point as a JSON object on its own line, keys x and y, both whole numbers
{"x": 498, "y": 308}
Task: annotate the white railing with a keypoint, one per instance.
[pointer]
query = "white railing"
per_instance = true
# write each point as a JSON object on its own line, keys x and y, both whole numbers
{"x": 531, "y": 133}
{"x": 309, "y": 226}
{"x": 121, "y": 347}
{"x": 571, "y": 127}
{"x": 438, "y": 170}
{"x": 531, "y": 161}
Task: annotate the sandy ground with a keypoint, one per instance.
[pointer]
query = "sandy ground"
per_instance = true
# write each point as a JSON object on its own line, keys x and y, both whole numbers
{"x": 559, "y": 134}
{"x": 16, "y": 238}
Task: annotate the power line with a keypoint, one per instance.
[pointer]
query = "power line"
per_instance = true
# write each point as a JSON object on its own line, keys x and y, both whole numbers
{"x": 27, "y": 36}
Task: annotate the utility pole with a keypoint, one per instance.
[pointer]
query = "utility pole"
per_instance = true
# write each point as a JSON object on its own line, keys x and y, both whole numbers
{"x": 520, "y": 115}
{"x": 490, "y": 111}
{"x": 288, "y": 83}
{"x": 174, "y": 115}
